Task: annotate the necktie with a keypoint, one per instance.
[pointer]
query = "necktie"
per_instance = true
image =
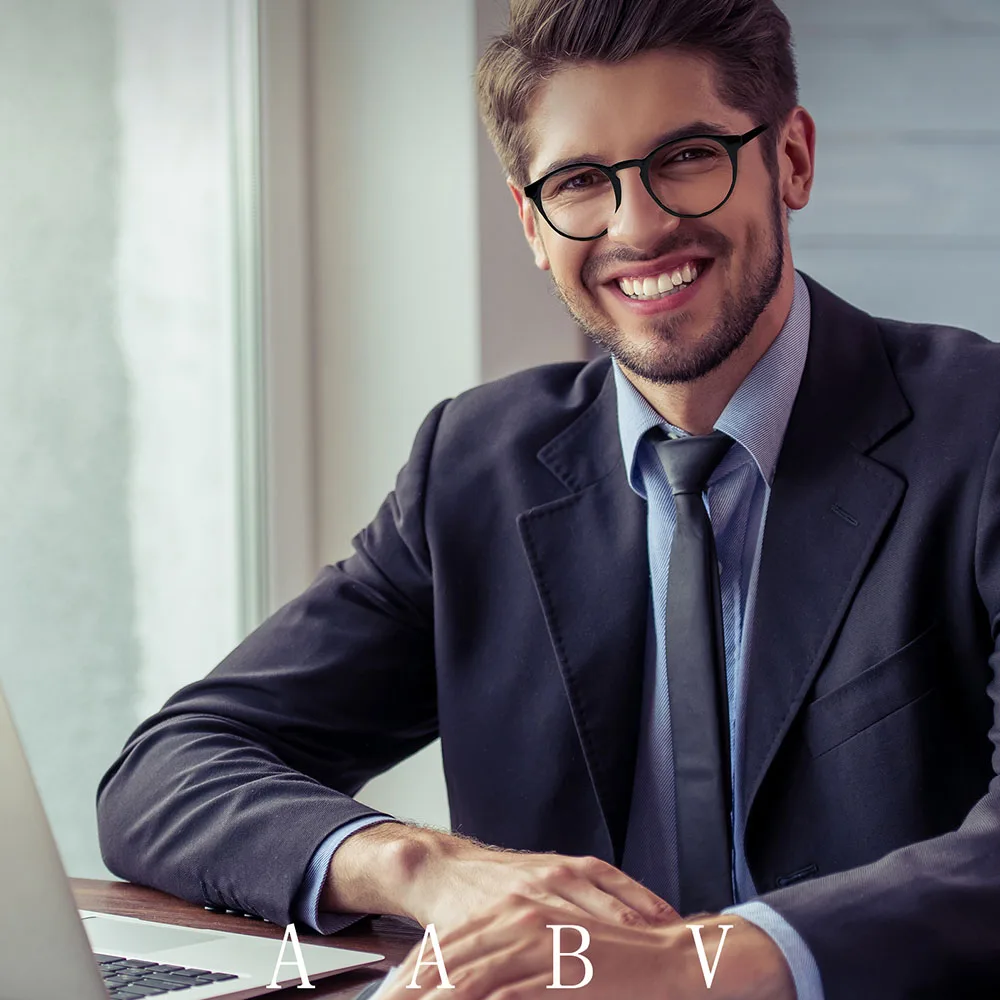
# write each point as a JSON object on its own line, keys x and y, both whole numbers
{"x": 696, "y": 679}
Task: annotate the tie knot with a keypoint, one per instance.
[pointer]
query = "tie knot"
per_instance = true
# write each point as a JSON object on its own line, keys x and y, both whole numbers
{"x": 690, "y": 461}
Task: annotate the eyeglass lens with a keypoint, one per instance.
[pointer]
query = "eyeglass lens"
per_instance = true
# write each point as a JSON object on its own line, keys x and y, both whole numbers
{"x": 691, "y": 177}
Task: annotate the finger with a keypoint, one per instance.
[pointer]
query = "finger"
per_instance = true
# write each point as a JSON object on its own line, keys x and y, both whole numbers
{"x": 633, "y": 894}
{"x": 395, "y": 983}
{"x": 532, "y": 987}
{"x": 594, "y": 901}
{"x": 478, "y": 977}
{"x": 399, "y": 987}
{"x": 511, "y": 911}
{"x": 604, "y": 892}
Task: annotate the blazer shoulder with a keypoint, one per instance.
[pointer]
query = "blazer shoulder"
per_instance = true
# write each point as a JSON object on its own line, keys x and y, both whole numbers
{"x": 944, "y": 369}
{"x": 942, "y": 351}
{"x": 520, "y": 413}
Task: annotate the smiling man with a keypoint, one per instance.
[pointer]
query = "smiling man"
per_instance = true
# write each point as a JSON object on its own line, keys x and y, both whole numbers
{"x": 686, "y": 306}
{"x": 708, "y": 627}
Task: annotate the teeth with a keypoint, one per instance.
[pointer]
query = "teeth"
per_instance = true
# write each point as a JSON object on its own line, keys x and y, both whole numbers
{"x": 654, "y": 287}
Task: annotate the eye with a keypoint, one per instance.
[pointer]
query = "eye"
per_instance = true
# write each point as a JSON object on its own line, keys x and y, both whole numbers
{"x": 700, "y": 155}
{"x": 574, "y": 182}
{"x": 692, "y": 154}
{"x": 579, "y": 181}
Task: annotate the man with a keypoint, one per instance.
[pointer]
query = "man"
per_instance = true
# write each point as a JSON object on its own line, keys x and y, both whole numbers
{"x": 710, "y": 624}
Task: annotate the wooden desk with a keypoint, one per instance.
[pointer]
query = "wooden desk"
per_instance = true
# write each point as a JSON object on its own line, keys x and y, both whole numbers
{"x": 388, "y": 936}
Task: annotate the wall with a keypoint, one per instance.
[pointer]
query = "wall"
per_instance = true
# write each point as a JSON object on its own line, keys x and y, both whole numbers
{"x": 904, "y": 219}
{"x": 395, "y": 265}
{"x": 522, "y": 320}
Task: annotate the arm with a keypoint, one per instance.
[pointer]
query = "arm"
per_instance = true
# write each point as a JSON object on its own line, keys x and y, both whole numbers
{"x": 223, "y": 796}
{"x": 226, "y": 794}
{"x": 921, "y": 921}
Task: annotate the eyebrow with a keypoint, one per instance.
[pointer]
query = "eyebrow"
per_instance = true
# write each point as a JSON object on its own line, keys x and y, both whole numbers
{"x": 692, "y": 128}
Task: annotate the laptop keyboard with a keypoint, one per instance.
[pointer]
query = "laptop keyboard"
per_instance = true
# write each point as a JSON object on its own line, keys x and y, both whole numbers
{"x": 131, "y": 978}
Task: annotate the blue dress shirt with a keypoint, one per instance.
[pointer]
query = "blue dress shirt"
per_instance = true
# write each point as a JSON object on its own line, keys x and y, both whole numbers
{"x": 737, "y": 497}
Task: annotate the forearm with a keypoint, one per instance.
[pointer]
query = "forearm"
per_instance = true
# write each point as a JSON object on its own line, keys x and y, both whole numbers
{"x": 225, "y": 794}
{"x": 199, "y": 810}
{"x": 906, "y": 924}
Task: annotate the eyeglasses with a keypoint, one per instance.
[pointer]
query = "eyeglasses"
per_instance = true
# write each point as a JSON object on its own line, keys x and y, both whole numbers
{"x": 689, "y": 177}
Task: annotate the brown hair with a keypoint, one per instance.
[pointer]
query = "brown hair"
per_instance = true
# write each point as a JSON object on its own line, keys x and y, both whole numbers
{"x": 748, "y": 42}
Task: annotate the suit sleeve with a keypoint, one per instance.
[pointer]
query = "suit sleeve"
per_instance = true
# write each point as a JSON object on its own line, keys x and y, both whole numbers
{"x": 923, "y": 920}
{"x": 223, "y": 796}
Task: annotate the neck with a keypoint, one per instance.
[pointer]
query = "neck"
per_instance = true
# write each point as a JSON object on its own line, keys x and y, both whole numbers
{"x": 695, "y": 406}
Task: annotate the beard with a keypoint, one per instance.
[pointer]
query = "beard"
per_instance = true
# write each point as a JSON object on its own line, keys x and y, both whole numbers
{"x": 667, "y": 358}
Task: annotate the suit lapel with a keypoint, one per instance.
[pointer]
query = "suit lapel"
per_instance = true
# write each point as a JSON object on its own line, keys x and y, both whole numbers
{"x": 587, "y": 554}
{"x": 830, "y": 504}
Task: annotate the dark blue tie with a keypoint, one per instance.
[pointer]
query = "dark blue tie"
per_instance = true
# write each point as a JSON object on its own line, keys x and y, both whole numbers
{"x": 696, "y": 680}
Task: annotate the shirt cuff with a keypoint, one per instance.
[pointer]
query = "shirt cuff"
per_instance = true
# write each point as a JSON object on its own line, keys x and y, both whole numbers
{"x": 305, "y": 907}
{"x": 805, "y": 972}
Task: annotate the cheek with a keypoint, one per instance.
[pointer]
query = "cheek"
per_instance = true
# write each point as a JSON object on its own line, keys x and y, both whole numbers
{"x": 577, "y": 270}
{"x": 567, "y": 273}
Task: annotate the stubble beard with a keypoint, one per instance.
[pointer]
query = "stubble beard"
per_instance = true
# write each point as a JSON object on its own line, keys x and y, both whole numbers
{"x": 666, "y": 359}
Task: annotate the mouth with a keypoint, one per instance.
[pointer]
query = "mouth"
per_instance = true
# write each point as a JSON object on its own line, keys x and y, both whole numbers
{"x": 664, "y": 293}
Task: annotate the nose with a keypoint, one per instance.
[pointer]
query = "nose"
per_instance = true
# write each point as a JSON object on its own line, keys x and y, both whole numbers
{"x": 639, "y": 221}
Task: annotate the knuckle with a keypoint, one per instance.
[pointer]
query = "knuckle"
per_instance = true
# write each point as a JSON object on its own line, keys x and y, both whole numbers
{"x": 594, "y": 865}
{"x": 560, "y": 871}
{"x": 448, "y": 937}
{"x": 469, "y": 982}
{"x": 629, "y": 918}
{"x": 478, "y": 943}
{"x": 516, "y": 908}
{"x": 526, "y": 916}
{"x": 662, "y": 910}
{"x": 513, "y": 901}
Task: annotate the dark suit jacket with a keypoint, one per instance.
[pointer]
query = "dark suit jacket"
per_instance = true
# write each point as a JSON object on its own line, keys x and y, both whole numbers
{"x": 499, "y": 600}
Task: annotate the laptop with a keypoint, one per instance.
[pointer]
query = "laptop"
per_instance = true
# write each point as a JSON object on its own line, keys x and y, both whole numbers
{"x": 49, "y": 950}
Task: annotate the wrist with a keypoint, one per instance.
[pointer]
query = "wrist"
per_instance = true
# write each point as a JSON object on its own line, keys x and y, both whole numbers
{"x": 378, "y": 869}
{"x": 752, "y": 966}
{"x": 354, "y": 880}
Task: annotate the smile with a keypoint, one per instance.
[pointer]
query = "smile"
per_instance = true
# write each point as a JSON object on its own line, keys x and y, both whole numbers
{"x": 667, "y": 291}
{"x": 660, "y": 285}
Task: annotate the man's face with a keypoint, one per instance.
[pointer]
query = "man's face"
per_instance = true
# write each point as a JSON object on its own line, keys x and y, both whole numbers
{"x": 617, "y": 113}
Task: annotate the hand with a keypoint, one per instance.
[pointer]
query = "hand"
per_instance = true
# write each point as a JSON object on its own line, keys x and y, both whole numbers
{"x": 438, "y": 878}
{"x": 507, "y": 954}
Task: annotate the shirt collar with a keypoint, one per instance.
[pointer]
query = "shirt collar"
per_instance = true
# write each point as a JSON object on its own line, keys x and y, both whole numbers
{"x": 757, "y": 414}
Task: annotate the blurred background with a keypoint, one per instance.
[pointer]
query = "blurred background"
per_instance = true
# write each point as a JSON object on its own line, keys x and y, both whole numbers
{"x": 224, "y": 309}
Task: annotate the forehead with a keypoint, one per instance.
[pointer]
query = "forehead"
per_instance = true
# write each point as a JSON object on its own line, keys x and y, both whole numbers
{"x": 614, "y": 110}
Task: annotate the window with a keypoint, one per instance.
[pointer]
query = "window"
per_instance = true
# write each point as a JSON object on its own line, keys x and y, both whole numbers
{"x": 131, "y": 558}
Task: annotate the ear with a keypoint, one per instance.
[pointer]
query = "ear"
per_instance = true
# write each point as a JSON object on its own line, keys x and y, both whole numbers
{"x": 529, "y": 221}
{"x": 798, "y": 158}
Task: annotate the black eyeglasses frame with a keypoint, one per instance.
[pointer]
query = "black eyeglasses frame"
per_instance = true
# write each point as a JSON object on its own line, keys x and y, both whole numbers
{"x": 732, "y": 143}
